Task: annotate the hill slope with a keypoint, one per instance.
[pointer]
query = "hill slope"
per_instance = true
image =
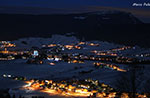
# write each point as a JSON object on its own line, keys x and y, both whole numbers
{"x": 113, "y": 26}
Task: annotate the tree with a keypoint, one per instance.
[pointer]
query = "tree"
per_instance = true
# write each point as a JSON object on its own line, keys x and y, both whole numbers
{"x": 131, "y": 81}
{"x": 146, "y": 87}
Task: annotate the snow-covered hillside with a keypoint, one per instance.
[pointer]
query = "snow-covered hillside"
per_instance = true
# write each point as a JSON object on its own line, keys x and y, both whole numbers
{"x": 67, "y": 70}
{"x": 28, "y": 43}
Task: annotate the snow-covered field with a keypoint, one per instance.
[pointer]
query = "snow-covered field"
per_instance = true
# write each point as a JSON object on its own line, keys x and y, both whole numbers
{"x": 62, "y": 70}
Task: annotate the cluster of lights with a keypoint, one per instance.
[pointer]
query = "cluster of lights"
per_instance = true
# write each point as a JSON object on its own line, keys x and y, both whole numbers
{"x": 125, "y": 60}
{"x": 75, "y": 61}
{"x": 76, "y": 88}
{"x": 69, "y": 47}
{"x": 104, "y": 53}
{"x": 111, "y": 52}
{"x": 122, "y": 48}
{"x": 89, "y": 44}
{"x": 104, "y": 65}
{"x": 6, "y": 44}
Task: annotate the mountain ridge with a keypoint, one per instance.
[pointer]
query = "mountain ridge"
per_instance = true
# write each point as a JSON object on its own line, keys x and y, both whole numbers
{"x": 118, "y": 27}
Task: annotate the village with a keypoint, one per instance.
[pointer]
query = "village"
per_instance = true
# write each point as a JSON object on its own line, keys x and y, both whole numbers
{"x": 87, "y": 88}
{"x": 82, "y": 52}
{"x": 58, "y": 52}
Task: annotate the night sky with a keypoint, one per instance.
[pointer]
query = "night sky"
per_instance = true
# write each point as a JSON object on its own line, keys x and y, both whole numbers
{"x": 92, "y": 5}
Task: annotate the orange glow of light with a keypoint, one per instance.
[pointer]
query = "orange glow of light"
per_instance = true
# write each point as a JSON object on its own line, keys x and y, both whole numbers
{"x": 69, "y": 93}
{"x": 142, "y": 96}
{"x": 110, "y": 66}
{"x": 52, "y": 45}
{"x": 69, "y": 46}
{"x": 77, "y": 47}
{"x": 124, "y": 95}
{"x": 112, "y": 95}
{"x": 122, "y": 70}
{"x": 92, "y": 44}
{"x": 52, "y": 64}
{"x": 81, "y": 43}
{"x": 74, "y": 61}
{"x": 29, "y": 82}
{"x": 36, "y": 86}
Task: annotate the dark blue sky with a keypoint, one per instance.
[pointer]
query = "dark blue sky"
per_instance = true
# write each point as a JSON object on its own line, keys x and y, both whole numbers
{"x": 69, "y": 3}
{"x": 125, "y": 5}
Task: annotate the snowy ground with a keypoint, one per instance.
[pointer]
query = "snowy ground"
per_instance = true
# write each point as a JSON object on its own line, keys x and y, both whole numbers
{"x": 62, "y": 70}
